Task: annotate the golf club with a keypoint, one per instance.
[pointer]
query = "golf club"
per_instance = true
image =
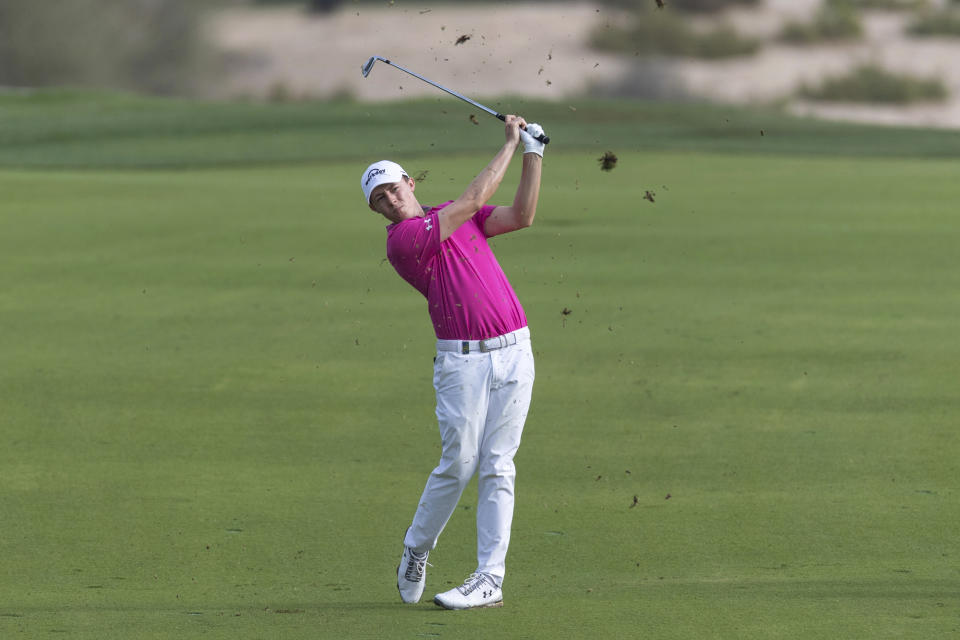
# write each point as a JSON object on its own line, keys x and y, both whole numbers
{"x": 368, "y": 66}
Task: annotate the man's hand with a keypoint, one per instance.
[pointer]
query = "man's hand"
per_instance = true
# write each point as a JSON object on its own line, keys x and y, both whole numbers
{"x": 529, "y": 139}
{"x": 514, "y": 127}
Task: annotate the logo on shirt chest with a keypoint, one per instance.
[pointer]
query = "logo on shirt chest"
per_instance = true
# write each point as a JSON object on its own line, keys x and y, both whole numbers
{"x": 428, "y": 223}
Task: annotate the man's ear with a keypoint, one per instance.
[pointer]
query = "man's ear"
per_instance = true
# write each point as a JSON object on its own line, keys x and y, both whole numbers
{"x": 413, "y": 183}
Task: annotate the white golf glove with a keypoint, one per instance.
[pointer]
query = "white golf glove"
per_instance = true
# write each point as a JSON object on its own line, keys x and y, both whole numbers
{"x": 530, "y": 143}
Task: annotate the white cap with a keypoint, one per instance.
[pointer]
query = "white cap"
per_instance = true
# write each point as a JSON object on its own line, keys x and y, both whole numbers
{"x": 383, "y": 172}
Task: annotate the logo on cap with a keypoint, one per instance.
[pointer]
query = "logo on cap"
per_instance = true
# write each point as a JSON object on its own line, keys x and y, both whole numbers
{"x": 373, "y": 174}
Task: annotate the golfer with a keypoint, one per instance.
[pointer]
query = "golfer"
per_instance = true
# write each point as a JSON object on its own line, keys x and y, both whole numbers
{"x": 483, "y": 371}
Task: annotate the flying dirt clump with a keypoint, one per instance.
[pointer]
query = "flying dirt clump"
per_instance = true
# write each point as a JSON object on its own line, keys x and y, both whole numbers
{"x": 607, "y": 161}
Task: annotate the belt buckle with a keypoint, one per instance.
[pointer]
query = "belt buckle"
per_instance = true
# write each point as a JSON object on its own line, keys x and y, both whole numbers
{"x": 465, "y": 347}
{"x": 485, "y": 345}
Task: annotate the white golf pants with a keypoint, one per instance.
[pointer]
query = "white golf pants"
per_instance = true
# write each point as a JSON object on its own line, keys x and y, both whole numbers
{"x": 482, "y": 403}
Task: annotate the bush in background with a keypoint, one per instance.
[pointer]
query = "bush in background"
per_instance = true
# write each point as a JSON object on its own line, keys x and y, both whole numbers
{"x": 155, "y": 46}
{"x": 314, "y": 6}
{"x": 668, "y": 34}
{"x": 880, "y": 4}
{"x": 708, "y": 5}
{"x": 834, "y": 21}
{"x": 870, "y": 83}
{"x": 945, "y": 22}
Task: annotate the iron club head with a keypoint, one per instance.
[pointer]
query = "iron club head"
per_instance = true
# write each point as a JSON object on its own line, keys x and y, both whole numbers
{"x": 368, "y": 65}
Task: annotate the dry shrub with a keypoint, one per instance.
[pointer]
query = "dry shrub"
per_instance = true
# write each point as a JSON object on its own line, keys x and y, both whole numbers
{"x": 154, "y": 46}
{"x": 873, "y": 84}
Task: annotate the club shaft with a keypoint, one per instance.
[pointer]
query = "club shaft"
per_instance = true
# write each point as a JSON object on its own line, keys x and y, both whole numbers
{"x": 542, "y": 138}
{"x": 450, "y": 91}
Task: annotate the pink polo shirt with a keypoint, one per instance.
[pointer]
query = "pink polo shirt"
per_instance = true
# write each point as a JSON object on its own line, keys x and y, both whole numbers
{"x": 467, "y": 293}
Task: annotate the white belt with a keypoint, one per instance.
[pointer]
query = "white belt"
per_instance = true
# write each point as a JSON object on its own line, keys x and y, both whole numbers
{"x": 491, "y": 344}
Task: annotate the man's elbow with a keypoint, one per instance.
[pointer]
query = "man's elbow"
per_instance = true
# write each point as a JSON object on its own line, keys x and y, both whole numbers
{"x": 525, "y": 220}
{"x": 473, "y": 199}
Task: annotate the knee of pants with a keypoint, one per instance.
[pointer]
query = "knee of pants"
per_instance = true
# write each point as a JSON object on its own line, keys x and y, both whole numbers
{"x": 496, "y": 467}
{"x": 457, "y": 465}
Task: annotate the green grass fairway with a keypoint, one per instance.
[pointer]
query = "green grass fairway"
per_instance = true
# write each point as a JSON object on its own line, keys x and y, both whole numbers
{"x": 216, "y": 410}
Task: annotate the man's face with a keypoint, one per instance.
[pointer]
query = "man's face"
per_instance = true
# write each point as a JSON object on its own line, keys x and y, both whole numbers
{"x": 395, "y": 201}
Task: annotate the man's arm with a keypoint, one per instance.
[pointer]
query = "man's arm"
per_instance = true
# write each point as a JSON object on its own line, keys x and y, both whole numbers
{"x": 524, "y": 208}
{"x": 484, "y": 185}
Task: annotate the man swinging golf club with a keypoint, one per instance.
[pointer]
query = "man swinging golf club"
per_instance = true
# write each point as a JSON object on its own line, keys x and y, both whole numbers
{"x": 483, "y": 371}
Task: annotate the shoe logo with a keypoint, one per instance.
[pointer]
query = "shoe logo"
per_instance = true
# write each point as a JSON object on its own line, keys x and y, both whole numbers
{"x": 472, "y": 584}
